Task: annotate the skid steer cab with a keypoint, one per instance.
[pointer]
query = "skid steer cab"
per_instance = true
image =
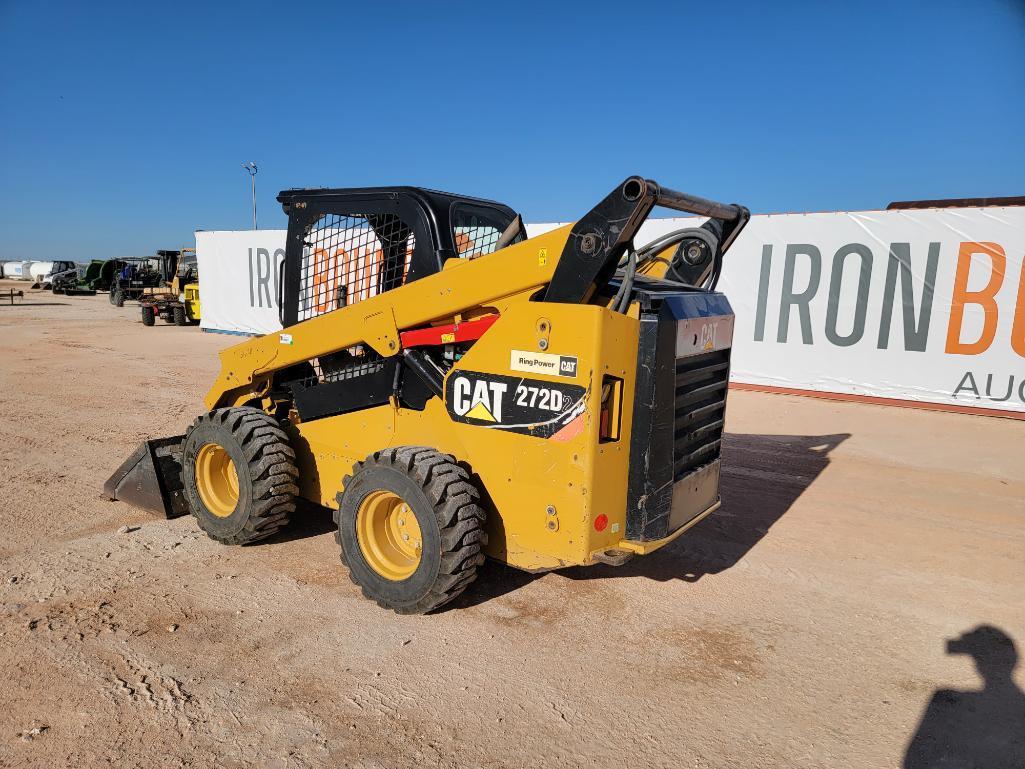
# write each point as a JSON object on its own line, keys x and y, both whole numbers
{"x": 453, "y": 389}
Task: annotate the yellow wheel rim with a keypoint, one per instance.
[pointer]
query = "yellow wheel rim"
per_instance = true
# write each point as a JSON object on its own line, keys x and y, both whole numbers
{"x": 217, "y": 480}
{"x": 388, "y": 535}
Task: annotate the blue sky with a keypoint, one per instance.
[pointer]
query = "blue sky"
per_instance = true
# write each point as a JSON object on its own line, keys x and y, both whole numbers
{"x": 123, "y": 127}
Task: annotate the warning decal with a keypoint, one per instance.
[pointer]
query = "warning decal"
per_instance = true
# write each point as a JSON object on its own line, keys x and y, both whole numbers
{"x": 517, "y": 404}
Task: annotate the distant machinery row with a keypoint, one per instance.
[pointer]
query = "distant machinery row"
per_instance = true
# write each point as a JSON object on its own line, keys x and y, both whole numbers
{"x": 165, "y": 285}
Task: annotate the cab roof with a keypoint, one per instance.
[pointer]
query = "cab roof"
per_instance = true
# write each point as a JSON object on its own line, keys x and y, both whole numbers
{"x": 435, "y": 200}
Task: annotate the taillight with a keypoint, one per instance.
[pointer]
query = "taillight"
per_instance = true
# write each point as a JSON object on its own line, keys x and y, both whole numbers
{"x": 611, "y": 409}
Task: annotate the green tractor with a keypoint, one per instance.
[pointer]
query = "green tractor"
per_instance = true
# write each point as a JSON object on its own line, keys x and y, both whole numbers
{"x": 81, "y": 282}
{"x": 96, "y": 277}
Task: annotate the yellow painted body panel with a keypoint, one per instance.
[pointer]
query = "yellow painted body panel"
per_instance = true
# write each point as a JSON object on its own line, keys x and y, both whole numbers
{"x": 192, "y": 308}
{"x": 658, "y": 266}
{"x": 524, "y": 475}
{"x": 545, "y": 494}
{"x": 650, "y": 546}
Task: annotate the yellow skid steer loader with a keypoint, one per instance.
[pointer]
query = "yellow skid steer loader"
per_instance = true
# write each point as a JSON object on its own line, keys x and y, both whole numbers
{"x": 453, "y": 389}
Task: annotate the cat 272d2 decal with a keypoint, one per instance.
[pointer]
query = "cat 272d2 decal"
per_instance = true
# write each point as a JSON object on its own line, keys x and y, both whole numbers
{"x": 520, "y": 405}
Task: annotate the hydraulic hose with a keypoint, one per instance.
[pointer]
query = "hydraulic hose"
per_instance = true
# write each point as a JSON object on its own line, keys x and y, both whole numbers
{"x": 636, "y": 258}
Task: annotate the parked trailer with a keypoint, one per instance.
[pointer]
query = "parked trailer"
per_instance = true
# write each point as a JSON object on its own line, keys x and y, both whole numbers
{"x": 18, "y": 270}
{"x": 180, "y": 309}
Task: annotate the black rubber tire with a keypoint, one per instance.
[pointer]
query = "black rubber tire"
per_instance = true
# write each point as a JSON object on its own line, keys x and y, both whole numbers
{"x": 117, "y": 298}
{"x": 110, "y": 296}
{"x": 447, "y": 507}
{"x": 149, "y": 315}
{"x": 267, "y": 474}
{"x": 180, "y": 318}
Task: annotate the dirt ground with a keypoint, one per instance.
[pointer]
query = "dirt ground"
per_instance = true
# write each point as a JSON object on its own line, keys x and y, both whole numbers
{"x": 804, "y": 625}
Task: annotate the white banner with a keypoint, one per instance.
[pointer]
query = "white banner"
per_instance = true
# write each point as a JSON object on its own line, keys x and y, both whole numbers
{"x": 919, "y": 305}
{"x": 238, "y": 273}
{"x": 239, "y": 278}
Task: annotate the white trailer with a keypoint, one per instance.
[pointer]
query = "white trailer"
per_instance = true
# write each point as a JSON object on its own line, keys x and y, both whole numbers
{"x": 18, "y": 270}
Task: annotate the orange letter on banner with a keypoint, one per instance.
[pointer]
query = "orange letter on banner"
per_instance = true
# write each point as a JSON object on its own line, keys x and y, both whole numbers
{"x": 319, "y": 280}
{"x": 1018, "y": 329}
{"x": 985, "y": 298}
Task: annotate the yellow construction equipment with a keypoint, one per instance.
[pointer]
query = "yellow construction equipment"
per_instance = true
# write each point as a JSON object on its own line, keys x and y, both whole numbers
{"x": 178, "y": 301}
{"x": 453, "y": 389}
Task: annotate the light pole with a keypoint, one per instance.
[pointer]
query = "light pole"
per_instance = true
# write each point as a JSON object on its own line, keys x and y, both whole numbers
{"x": 251, "y": 169}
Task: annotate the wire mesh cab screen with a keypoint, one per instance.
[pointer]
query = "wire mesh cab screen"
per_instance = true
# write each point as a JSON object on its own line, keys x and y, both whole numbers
{"x": 345, "y": 246}
{"x": 351, "y": 257}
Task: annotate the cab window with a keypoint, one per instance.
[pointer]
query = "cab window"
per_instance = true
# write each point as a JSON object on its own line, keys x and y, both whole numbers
{"x": 478, "y": 228}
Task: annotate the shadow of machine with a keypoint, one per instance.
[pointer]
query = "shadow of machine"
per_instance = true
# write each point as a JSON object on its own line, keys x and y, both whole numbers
{"x": 762, "y": 477}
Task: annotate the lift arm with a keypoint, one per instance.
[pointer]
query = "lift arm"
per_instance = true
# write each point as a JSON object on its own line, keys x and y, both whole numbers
{"x": 599, "y": 240}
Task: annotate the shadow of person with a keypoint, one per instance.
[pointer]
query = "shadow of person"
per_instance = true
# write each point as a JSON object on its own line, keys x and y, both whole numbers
{"x": 977, "y": 729}
{"x": 762, "y": 477}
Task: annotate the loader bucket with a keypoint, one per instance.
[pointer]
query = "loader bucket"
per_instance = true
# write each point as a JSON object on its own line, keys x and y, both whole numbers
{"x": 151, "y": 478}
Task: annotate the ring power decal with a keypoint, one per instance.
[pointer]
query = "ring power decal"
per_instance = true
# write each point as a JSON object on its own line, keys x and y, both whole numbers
{"x": 543, "y": 363}
{"x": 527, "y": 406}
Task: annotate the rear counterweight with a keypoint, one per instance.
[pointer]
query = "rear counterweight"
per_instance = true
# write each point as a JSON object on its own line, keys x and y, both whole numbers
{"x": 683, "y": 361}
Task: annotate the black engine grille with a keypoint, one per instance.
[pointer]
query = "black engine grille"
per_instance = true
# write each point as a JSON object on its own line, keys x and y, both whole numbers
{"x": 679, "y": 408}
{"x": 700, "y": 411}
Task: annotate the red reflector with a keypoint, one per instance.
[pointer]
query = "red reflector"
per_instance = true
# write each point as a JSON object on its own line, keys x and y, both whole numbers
{"x": 601, "y": 522}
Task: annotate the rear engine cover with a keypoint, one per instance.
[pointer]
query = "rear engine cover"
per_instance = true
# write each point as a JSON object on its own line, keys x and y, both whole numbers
{"x": 683, "y": 362}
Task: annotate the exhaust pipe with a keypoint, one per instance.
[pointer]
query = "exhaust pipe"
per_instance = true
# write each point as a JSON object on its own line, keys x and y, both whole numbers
{"x": 151, "y": 478}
